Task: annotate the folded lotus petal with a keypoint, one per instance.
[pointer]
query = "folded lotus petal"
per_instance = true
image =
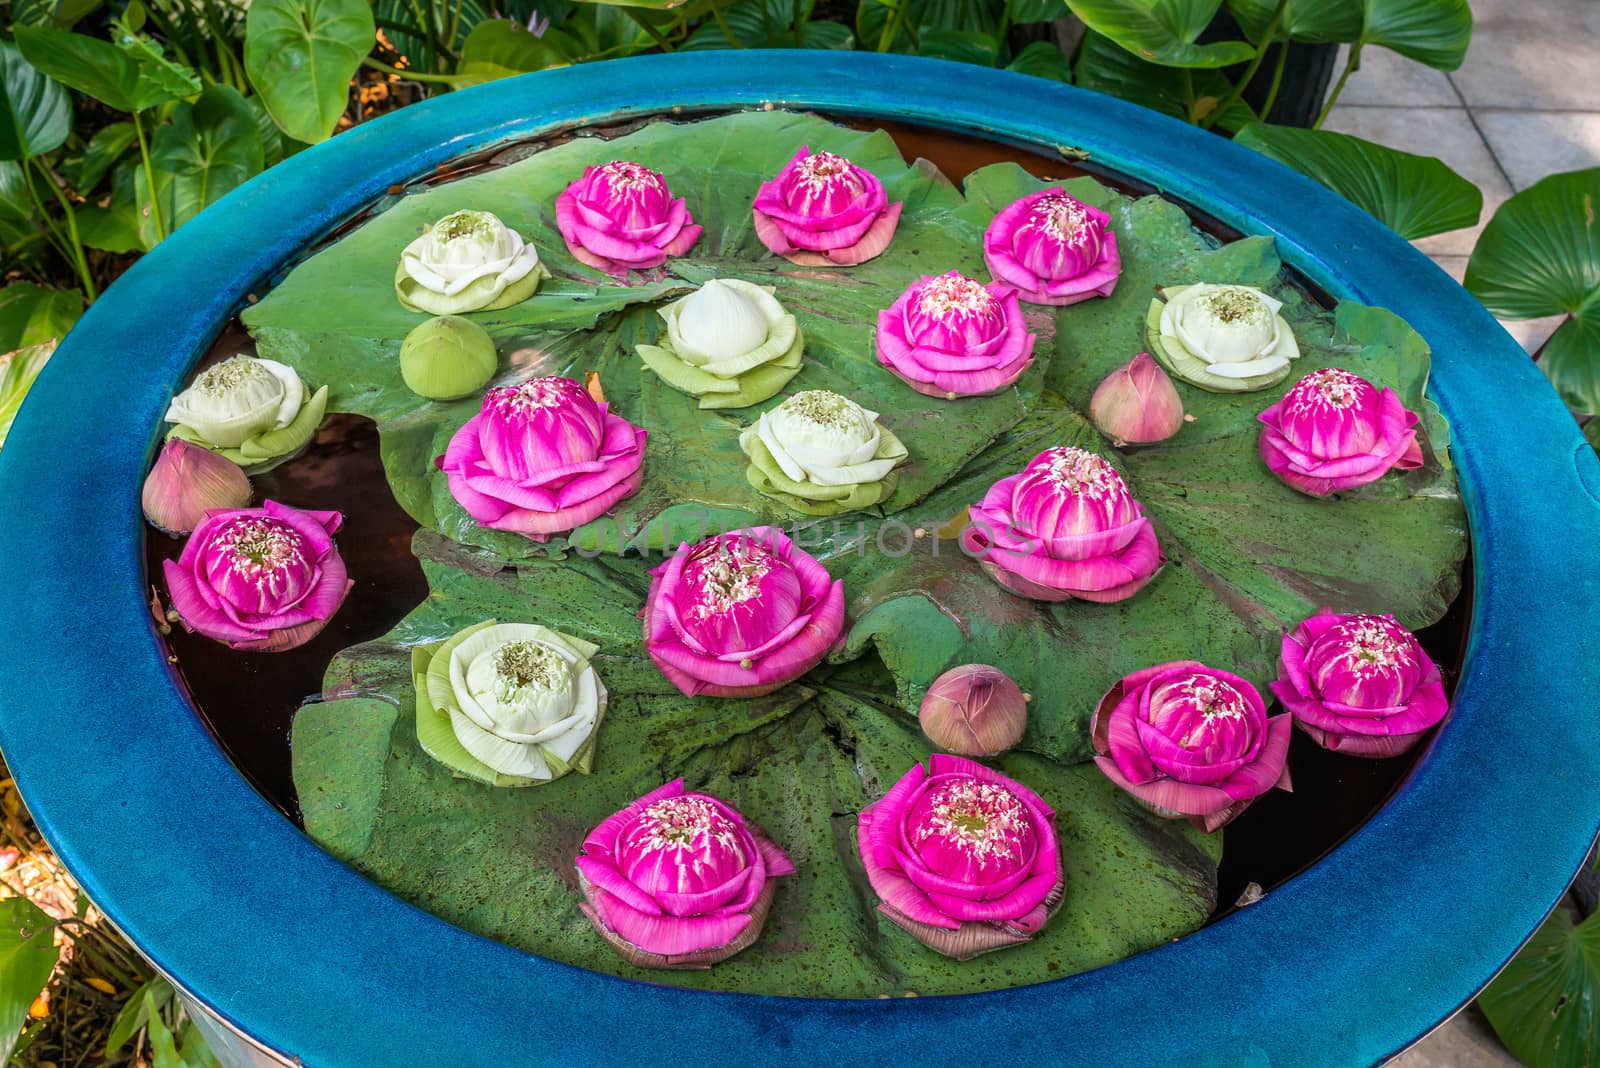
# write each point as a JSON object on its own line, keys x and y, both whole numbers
{"x": 939, "y": 886}
{"x": 966, "y": 941}
{"x": 1187, "y": 799}
{"x": 702, "y": 902}
{"x": 1256, "y": 778}
{"x": 1376, "y": 746}
{"x": 540, "y": 525}
{"x": 897, "y": 892}
{"x": 667, "y": 935}
{"x": 603, "y": 874}
{"x": 771, "y": 234}
{"x": 602, "y": 841}
{"x": 194, "y": 612}
{"x": 879, "y": 825}
{"x": 1137, "y": 562}
{"x": 776, "y": 860}
{"x": 865, "y": 206}
{"x": 843, "y": 232}
{"x": 781, "y": 638}
{"x": 1028, "y": 896}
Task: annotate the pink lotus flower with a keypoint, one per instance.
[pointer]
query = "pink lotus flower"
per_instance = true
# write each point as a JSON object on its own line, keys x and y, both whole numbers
{"x": 1359, "y": 684}
{"x": 261, "y": 579}
{"x": 1335, "y": 430}
{"x": 1189, "y": 740}
{"x": 621, "y": 216}
{"x": 542, "y": 458}
{"x": 953, "y": 337}
{"x": 964, "y": 859}
{"x": 1065, "y": 527}
{"x": 824, "y": 211}
{"x": 1053, "y": 249}
{"x": 1137, "y": 403}
{"x": 740, "y": 614}
{"x": 678, "y": 880}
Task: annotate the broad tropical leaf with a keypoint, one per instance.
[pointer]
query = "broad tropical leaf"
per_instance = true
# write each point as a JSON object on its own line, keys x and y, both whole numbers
{"x": 1540, "y": 255}
{"x": 1434, "y": 32}
{"x": 1414, "y": 196}
{"x": 209, "y": 147}
{"x": 27, "y": 955}
{"x": 132, "y": 75}
{"x": 301, "y": 55}
{"x": 32, "y": 314}
{"x": 35, "y": 112}
{"x": 1105, "y": 67}
{"x": 1164, "y": 32}
{"x": 501, "y": 48}
{"x": 1545, "y": 1006}
{"x": 1302, "y": 20}
{"x": 1043, "y": 59}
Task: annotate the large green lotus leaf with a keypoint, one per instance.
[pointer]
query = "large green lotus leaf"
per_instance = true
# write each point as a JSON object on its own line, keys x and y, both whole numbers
{"x": 583, "y": 321}
{"x": 800, "y": 763}
{"x": 1545, "y": 1006}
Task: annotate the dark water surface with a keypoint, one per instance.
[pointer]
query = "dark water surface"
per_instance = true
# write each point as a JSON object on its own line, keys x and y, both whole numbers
{"x": 249, "y": 699}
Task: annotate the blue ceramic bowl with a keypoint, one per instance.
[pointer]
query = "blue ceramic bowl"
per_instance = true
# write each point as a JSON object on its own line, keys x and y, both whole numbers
{"x": 1345, "y": 964}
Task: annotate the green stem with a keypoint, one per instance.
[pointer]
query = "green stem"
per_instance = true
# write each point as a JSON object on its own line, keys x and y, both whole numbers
{"x": 655, "y": 34}
{"x": 1249, "y": 72}
{"x": 1277, "y": 79}
{"x": 892, "y": 25}
{"x": 79, "y": 259}
{"x": 150, "y": 178}
{"x": 1188, "y": 94}
{"x": 1351, "y": 64}
{"x": 429, "y": 39}
{"x": 722, "y": 23}
{"x": 51, "y": 231}
{"x": 408, "y": 75}
{"x": 797, "y": 18}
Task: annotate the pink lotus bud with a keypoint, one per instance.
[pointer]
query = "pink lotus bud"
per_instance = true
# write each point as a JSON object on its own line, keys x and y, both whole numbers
{"x": 1189, "y": 740}
{"x": 1359, "y": 684}
{"x": 953, "y": 337}
{"x": 740, "y": 614}
{"x": 1065, "y": 527}
{"x": 974, "y": 710}
{"x": 260, "y": 579}
{"x": 824, "y": 211}
{"x": 621, "y": 216}
{"x": 541, "y": 458}
{"x": 678, "y": 880}
{"x": 1335, "y": 430}
{"x": 963, "y": 859}
{"x": 1053, "y": 249}
{"x": 1137, "y": 403}
{"x": 186, "y": 482}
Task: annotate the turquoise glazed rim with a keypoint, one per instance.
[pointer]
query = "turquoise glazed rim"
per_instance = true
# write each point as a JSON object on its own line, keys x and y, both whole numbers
{"x": 1345, "y": 964}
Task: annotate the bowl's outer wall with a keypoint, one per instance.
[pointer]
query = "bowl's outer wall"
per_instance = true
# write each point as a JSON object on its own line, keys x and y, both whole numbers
{"x": 1343, "y": 965}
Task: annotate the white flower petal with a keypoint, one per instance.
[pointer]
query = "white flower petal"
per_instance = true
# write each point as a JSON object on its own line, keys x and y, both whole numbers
{"x": 508, "y": 758}
{"x": 232, "y": 402}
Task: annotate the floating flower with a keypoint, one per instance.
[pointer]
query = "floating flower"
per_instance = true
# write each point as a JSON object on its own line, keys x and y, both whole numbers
{"x": 824, "y": 211}
{"x": 953, "y": 337}
{"x": 963, "y": 859}
{"x": 821, "y": 454}
{"x": 510, "y": 704}
{"x": 1065, "y": 527}
{"x": 678, "y": 880}
{"x": 975, "y": 710}
{"x": 730, "y": 343}
{"x": 621, "y": 216}
{"x": 467, "y": 261}
{"x": 1224, "y": 338}
{"x": 1137, "y": 403}
{"x": 447, "y": 358}
{"x": 253, "y": 411}
{"x": 1189, "y": 740}
{"x": 186, "y": 482}
{"x": 1053, "y": 249}
{"x": 1335, "y": 430}
{"x": 1359, "y": 684}
{"x": 740, "y": 614}
{"x": 260, "y": 579}
{"x": 541, "y": 458}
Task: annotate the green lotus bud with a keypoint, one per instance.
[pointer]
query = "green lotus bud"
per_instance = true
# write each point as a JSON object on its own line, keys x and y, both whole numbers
{"x": 447, "y": 358}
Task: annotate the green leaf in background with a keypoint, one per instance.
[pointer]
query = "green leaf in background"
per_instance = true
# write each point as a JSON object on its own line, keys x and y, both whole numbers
{"x": 18, "y": 219}
{"x": 35, "y": 112}
{"x": 27, "y": 955}
{"x": 1319, "y": 21}
{"x": 1545, "y": 1006}
{"x": 209, "y": 148}
{"x": 135, "y": 1013}
{"x": 1020, "y": 12}
{"x": 1414, "y": 196}
{"x": 919, "y": 17}
{"x": 131, "y": 76}
{"x": 1042, "y": 59}
{"x": 961, "y": 46}
{"x": 108, "y": 145}
{"x": 501, "y": 48}
{"x": 1540, "y": 255}
{"x": 32, "y": 315}
{"x": 63, "y": 14}
{"x": 1106, "y": 67}
{"x": 1432, "y": 32}
{"x": 301, "y": 55}
{"x": 1162, "y": 31}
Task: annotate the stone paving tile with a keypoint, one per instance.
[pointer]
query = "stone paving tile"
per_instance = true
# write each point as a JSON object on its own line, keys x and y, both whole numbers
{"x": 1532, "y": 144}
{"x": 1532, "y": 55}
{"x": 1388, "y": 79}
{"x": 1447, "y": 133}
{"x": 1465, "y": 1041}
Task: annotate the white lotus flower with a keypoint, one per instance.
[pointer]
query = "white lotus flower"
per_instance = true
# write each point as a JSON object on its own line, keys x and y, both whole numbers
{"x": 826, "y": 439}
{"x": 467, "y": 261}
{"x": 730, "y": 343}
{"x": 522, "y": 699}
{"x": 238, "y": 399}
{"x": 1235, "y": 331}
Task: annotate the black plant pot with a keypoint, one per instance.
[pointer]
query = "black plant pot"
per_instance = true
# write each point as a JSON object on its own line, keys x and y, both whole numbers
{"x": 1306, "y": 75}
